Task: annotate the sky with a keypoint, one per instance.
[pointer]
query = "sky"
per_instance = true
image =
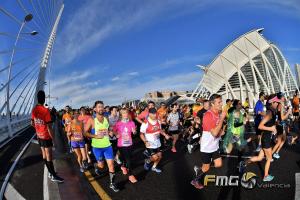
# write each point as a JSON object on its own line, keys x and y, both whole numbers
{"x": 116, "y": 50}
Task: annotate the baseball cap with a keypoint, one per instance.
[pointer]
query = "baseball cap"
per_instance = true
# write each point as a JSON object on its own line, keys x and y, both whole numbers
{"x": 274, "y": 99}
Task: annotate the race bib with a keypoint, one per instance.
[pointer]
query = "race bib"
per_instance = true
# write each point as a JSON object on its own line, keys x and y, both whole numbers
{"x": 77, "y": 136}
{"x": 102, "y": 133}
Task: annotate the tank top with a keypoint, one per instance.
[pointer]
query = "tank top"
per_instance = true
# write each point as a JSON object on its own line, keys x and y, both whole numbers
{"x": 77, "y": 132}
{"x": 272, "y": 121}
{"x": 101, "y": 129}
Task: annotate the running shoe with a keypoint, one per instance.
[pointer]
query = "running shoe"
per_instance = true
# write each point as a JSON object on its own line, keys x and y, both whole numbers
{"x": 124, "y": 170}
{"x": 85, "y": 165}
{"x": 114, "y": 187}
{"x": 258, "y": 148}
{"x": 196, "y": 184}
{"x": 49, "y": 175}
{"x": 268, "y": 178}
{"x": 81, "y": 169}
{"x": 57, "y": 179}
{"x": 146, "y": 165}
{"x": 155, "y": 169}
{"x": 97, "y": 171}
{"x": 276, "y": 155}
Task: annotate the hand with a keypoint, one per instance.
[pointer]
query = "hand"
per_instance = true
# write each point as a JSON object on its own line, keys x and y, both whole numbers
{"x": 111, "y": 134}
{"x": 69, "y": 134}
{"x": 167, "y": 137}
{"x": 117, "y": 136}
{"x": 274, "y": 130}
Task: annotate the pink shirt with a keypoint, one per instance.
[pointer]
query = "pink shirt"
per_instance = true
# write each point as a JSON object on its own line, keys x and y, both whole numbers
{"x": 124, "y": 129}
{"x": 84, "y": 119}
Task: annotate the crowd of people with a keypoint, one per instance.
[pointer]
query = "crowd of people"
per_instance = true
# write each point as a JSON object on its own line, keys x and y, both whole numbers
{"x": 107, "y": 134}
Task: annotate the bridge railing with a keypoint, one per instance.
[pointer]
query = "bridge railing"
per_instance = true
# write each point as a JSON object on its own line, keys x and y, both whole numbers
{"x": 17, "y": 123}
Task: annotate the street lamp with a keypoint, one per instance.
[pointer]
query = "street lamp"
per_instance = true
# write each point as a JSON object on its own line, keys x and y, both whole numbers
{"x": 27, "y": 18}
{"x": 31, "y": 33}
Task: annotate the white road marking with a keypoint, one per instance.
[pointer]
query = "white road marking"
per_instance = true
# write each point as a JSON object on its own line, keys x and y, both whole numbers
{"x": 12, "y": 193}
{"x": 45, "y": 184}
{"x": 297, "y": 186}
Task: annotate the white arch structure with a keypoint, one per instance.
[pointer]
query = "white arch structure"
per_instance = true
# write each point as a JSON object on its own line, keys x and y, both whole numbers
{"x": 247, "y": 66}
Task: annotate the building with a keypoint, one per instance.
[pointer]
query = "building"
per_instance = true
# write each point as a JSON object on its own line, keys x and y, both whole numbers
{"x": 247, "y": 66}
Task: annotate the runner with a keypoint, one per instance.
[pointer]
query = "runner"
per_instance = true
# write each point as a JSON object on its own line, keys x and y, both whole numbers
{"x": 235, "y": 138}
{"x": 258, "y": 115}
{"x": 123, "y": 130}
{"x": 97, "y": 129}
{"x": 209, "y": 144}
{"x": 173, "y": 121}
{"x": 150, "y": 135}
{"x": 162, "y": 117}
{"x": 282, "y": 128}
{"x": 144, "y": 115}
{"x": 84, "y": 118}
{"x": 268, "y": 127}
{"x": 66, "y": 120}
{"x": 75, "y": 131}
{"x": 296, "y": 103}
{"x": 41, "y": 121}
{"x": 113, "y": 118}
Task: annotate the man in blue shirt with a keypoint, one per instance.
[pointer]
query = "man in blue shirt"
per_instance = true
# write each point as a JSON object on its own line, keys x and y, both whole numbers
{"x": 258, "y": 116}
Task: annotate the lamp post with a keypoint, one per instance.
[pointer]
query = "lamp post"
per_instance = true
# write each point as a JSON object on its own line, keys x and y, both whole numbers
{"x": 27, "y": 18}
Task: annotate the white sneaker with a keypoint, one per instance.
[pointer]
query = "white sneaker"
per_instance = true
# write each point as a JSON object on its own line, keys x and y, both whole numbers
{"x": 189, "y": 147}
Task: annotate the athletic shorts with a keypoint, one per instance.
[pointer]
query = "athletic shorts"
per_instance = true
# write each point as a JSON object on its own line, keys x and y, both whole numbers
{"x": 103, "y": 153}
{"x": 153, "y": 151}
{"x": 280, "y": 129}
{"x": 296, "y": 114}
{"x": 176, "y": 132}
{"x": 164, "y": 127}
{"x": 207, "y": 158}
{"x": 266, "y": 140}
{"x": 77, "y": 144}
{"x": 45, "y": 143}
{"x": 257, "y": 130}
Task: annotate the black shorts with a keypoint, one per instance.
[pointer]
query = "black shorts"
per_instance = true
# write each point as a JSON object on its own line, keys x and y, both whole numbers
{"x": 164, "y": 127}
{"x": 296, "y": 114}
{"x": 45, "y": 143}
{"x": 152, "y": 152}
{"x": 173, "y": 132}
{"x": 114, "y": 146}
{"x": 266, "y": 140}
{"x": 280, "y": 129}
{"x": 207, "y": 158}
{"x": 257, "y": 130}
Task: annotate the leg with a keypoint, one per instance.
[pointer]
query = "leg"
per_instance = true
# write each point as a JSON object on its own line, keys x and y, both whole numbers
{"x": 268, "y": 153}
{"x": 175, "y": 138}
{"x": 79, "y": 157}
{"x": 278, "y": 143}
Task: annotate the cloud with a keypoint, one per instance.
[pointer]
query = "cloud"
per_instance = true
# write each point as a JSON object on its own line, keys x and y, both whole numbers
{"x": 133, "y": 74}
{"x": 115, "y": 93}
{"x": 116, "y": 78}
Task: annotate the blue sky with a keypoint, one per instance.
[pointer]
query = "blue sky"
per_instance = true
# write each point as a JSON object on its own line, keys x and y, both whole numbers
{"x": 115, "y": 50}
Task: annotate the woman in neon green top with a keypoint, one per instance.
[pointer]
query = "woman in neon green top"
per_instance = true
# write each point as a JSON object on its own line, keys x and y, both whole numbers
{"x": 97, "y": 129}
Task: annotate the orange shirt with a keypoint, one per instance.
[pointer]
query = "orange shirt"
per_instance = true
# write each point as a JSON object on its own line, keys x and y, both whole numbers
{"x": 196, "y": 108}
{"x": 162, "y": 114}
{"x": 77, "y": 131}
{"x": 67, "y": 120}
{"x": 296, "y": 104}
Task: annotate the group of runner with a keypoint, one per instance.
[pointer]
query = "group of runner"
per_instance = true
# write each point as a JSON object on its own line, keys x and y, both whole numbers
{"x": 108, "y": 133}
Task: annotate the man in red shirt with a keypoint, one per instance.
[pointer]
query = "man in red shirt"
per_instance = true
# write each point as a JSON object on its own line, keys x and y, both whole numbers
{"x": 209, "y": 144}
{"x": 41, "y": 121}
{"x": 144, "y": 115}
